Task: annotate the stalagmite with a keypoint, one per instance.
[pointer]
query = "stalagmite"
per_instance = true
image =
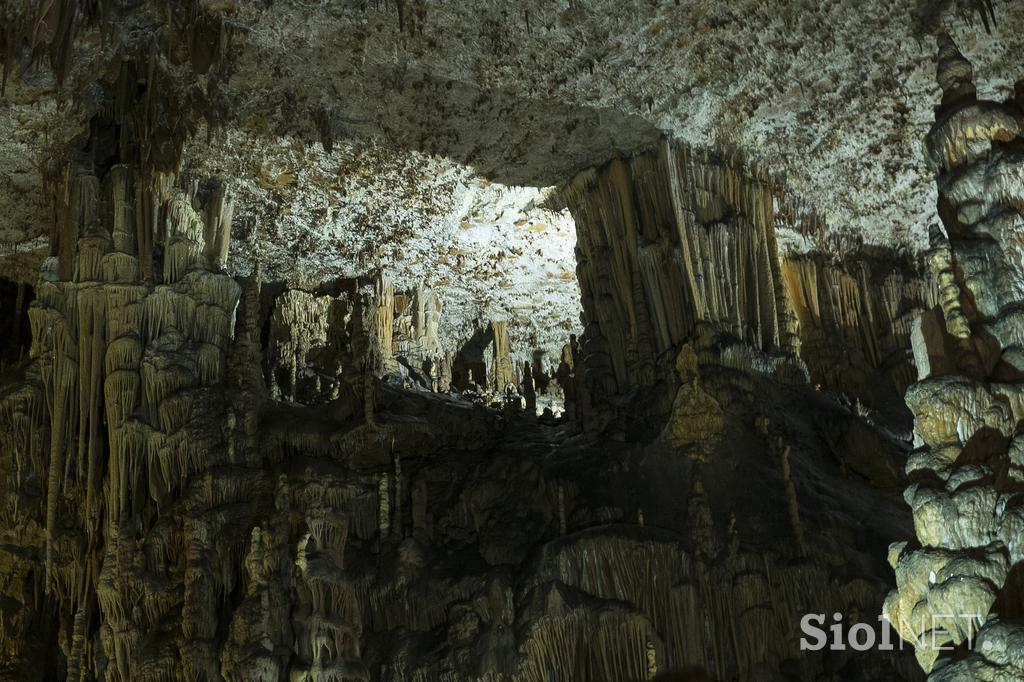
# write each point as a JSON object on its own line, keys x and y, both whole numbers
{"x": 503, "y": 373}
{"x": 415, "y": 335}
{"x": 953, "y": 585}
{"x": 529, "y": 390}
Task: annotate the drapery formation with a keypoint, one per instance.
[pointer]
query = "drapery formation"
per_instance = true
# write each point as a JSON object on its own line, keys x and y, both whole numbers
{"x": 676, "y": 238}
{"x": 129, "y": 346}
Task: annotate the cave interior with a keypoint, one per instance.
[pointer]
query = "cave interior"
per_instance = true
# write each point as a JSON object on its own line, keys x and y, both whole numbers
{"x": 575, "y": 341}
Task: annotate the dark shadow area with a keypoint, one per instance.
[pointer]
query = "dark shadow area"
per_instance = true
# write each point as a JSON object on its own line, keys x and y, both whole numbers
{"x": 15, "y": 336}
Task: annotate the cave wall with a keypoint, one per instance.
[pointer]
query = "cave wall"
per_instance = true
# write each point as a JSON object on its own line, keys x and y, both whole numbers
{"x": 677, "y": 238}
{"x": 190, "y": 498}
{"x": 172, "y": 519}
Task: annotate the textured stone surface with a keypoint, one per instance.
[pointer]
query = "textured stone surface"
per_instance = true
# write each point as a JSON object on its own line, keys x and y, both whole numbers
{"x": 271, "y": 425}
{"x": 834, "y": 98}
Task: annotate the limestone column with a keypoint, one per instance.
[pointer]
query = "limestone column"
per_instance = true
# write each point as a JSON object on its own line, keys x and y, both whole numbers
{"x": 967, "y": 471}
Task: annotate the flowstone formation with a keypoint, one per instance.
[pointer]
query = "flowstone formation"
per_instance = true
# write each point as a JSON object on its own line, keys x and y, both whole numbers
{"x": 304, "y": 400}
{"x": 679, "y": 240}
{"x": 960, "y": 594}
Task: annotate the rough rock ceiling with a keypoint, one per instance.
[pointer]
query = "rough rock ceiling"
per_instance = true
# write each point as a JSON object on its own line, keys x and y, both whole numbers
{"x": 491, "y": 252}
{"x": 834, "y": 97}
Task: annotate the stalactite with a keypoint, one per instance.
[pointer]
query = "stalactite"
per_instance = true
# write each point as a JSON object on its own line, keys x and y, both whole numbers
{"x": 217, "y": 232}
{"x": 303, "y": 326}
{"x": 863, "y": 303}
{"x": 384, "y": 505}
{"x": 396, "y": 507}
{"x": 384, "y": 323}
{"x": 503, "y": 373}
{"x": 184, "y": 239}
{"x": 82, "y": 194}
{"x": 794, "y": 507}
{"x": 645, "y": 287}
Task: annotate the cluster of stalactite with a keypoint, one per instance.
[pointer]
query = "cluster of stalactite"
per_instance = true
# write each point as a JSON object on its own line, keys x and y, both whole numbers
{"x": 619, "y": 603}
{"x": 417, "y": 317}
{"x": 960, "y": 592}
{"x": 140, "y": 486}
{"x": 672, "y": 239}
{"x": 126, "y": 346}
{"x": 317, "y": 342}
{"x": 667, "y": 239}
{"x": 856, "y": 316}
{"x": 671, "y": 607}
{"x": 184, "y": 508}
{"x": 310, "y": 340}
{"x": 22, "y": 519}
{"x": 297, "y": 548}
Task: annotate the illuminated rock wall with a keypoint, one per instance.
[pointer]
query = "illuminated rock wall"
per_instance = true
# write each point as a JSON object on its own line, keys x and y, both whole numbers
{"x": 959, "y": 587}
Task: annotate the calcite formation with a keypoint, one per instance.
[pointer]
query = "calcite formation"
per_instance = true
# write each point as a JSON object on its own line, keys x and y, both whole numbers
{"x": 679, "y": 239}
{"x": 958, "y": 588}
{"x": 660, "y": 249}
{"x": 294, "y": 386}
{"x": 126, "y": 368}
{"x": 217, "y": 479}
{"x": 319, "y": 340}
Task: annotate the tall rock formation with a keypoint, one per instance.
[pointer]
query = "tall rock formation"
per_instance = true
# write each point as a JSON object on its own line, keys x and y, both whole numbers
{"x": 959, "y": 589}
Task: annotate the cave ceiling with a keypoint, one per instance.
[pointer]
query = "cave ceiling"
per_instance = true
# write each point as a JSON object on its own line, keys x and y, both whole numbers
{"x": 423, "y": 137}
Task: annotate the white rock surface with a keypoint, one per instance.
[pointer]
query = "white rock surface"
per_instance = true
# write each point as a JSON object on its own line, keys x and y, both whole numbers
{"x": 491, "y": 252}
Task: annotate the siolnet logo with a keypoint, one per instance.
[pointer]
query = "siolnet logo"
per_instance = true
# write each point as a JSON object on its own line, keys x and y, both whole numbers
{"x": 937, "y": 633}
